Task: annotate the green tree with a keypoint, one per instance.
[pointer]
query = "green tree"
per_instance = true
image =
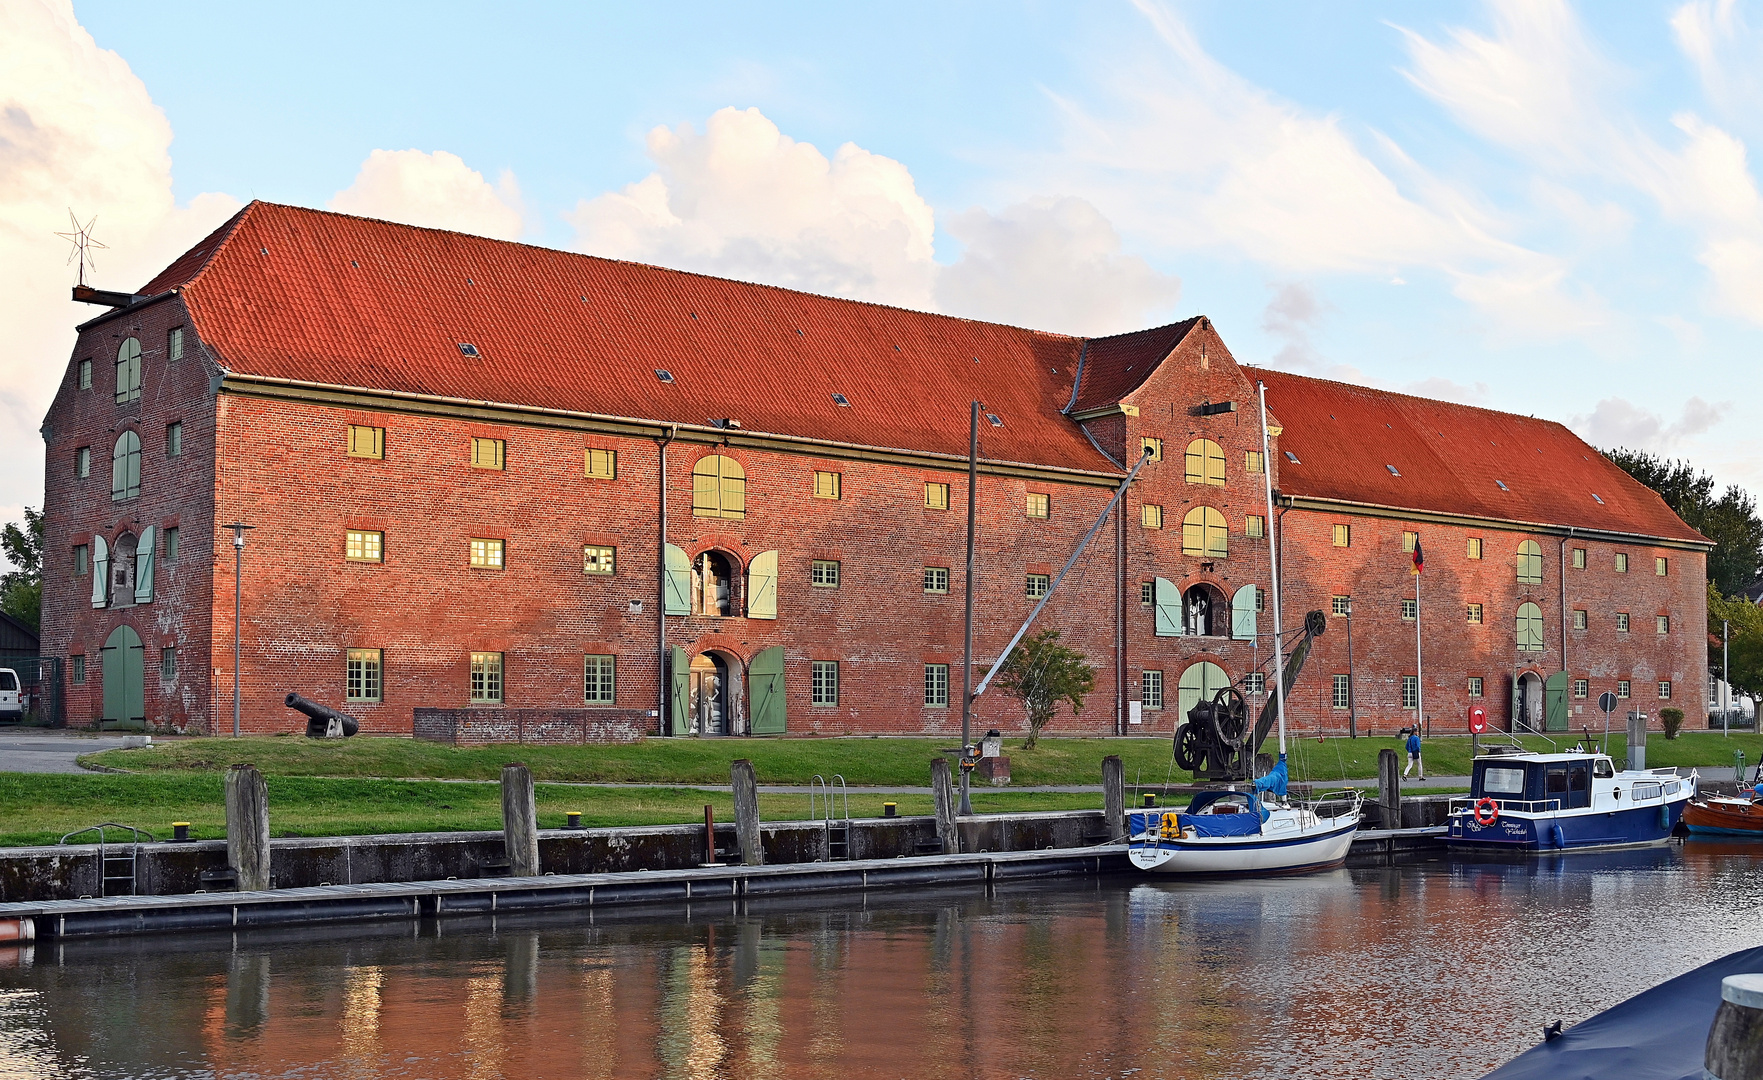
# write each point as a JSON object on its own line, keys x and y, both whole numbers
{"x": 21, "y": 588}
{"x": 1041, "y": 673}
{"x": 1745, "y": 653}
{"x": 1728, "y": 518}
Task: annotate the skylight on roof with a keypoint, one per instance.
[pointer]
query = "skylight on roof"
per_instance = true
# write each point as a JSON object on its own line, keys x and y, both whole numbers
{"x": 466, "y": 348}
{"x": 1502, "y": 484}
{"x": 1595, "y": 498}
{"x": 993, "y": 417}
{"x": 1293, "y": 458}
{"x": 1392, "y": 470}
{"x": 842, "y": 400}
{"x": 664, "y": 375}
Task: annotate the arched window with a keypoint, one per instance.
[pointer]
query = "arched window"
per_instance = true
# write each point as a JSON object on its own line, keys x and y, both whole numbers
{"x": 128, "y": 371}
{"x": 719, "y": 488}
{"x": 1204, "y": 534}
{"x": 1530, "y": 626}
{"x": 1198, "y": 683}
{"x": 125, "y": 467}
{"x": 1205, "y": 463}
{"x": 1530, "y": 564}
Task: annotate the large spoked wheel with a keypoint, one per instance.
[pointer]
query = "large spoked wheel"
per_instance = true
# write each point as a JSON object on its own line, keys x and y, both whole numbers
{"x": 1230, "y": 716}
{"x": 1187, "y": 748}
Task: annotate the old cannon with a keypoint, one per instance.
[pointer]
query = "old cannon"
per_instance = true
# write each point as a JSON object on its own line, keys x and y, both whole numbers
{"x": 322, "y": 722}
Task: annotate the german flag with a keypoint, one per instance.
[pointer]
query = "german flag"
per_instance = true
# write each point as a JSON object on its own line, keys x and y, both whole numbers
{"x": 1419, "y": 559}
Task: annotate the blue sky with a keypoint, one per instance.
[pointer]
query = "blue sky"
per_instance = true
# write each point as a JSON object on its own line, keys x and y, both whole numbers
{"x": 1538, "y": 207}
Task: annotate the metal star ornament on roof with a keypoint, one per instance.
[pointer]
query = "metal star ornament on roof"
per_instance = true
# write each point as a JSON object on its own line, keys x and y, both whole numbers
{"x": 83, "y": 244}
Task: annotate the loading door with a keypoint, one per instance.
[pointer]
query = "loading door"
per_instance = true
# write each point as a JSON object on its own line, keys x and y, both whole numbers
{"x": 125, "y": 671}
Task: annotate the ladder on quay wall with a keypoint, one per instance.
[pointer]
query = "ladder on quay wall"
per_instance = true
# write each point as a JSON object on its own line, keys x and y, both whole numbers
{"x": 835, "y": 832}
{"x": 116, "y": 873}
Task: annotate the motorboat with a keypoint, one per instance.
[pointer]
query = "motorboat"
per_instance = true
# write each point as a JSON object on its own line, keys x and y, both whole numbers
{"x": 1561, "y": 801}
{"x": 1231, "y": 832}
{"x": 1719, "y": 815}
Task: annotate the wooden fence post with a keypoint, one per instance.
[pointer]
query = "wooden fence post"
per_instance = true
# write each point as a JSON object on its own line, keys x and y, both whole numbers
{"x": 1389, "y": 789}
{"x": 520, "y": 821}
{"x": 1114, "y": 796}
{"x": 746, "y": 788}
{"x": 944, "y": 793}
{"x": 247, "y": 827}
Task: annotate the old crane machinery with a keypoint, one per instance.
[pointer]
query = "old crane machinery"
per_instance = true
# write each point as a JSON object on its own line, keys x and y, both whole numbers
{"x": 1216, "y": 742}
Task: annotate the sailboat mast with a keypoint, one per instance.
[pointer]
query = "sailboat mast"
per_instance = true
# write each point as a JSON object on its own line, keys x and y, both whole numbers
{"x": 1279, "y": 697}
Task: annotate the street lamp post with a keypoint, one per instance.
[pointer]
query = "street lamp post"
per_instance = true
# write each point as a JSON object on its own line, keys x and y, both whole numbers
{"x": 238, "y": 591}
{"x": 1352, "y": 679}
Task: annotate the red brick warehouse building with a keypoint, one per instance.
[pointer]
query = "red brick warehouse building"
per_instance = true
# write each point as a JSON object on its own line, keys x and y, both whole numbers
{"x": 478, "y": 473}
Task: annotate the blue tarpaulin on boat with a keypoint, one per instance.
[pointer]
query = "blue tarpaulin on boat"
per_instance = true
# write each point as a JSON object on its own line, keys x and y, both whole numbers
{"x": 1221, "y": 824}
{"x": 1660, "y": 1034}
{"x": 1275, "y": 780}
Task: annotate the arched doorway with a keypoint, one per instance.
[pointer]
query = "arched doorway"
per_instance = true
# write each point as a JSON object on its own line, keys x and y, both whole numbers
{"x": 1527, "y": 702}
{"x": 124, "y": 672}
{"x": 1198, "y": 683}
{"x": 709, "y": 695}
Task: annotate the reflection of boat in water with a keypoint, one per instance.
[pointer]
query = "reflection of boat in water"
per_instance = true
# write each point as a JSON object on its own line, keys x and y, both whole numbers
{"x": 1721, "y": 816}
{"x": 1542, "y": 802}
{"x": 1234, "y": 832}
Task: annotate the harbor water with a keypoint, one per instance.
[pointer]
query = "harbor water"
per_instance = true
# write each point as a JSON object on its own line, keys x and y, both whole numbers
{"x": 1440, "y": 969}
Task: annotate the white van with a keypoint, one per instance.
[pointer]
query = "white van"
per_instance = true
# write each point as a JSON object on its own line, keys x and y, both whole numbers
{"x": 11, "y": 702}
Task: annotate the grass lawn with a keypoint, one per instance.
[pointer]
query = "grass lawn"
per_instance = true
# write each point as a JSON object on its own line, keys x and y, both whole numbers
{"x": 38, "y": 808}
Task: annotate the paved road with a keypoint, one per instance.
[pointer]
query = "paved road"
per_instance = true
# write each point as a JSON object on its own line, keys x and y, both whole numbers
{"x": 35, "y": 750}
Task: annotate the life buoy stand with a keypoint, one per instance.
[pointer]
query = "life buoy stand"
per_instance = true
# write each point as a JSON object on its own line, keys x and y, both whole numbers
{"x": 1491, "y": 807}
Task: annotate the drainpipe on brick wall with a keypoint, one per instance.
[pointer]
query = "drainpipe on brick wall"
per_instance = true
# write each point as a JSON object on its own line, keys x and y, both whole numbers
{"x": 1563, "y": 565}
{"x": 661, "y": 673}
{"x": 1120, "y": 699}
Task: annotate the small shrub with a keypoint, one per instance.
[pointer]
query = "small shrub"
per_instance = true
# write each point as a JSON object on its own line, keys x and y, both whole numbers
{"x": 1672, "y": 718}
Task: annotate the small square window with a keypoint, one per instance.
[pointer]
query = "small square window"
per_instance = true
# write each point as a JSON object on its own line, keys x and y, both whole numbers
{"x": 936, "y": 686}
{"x": 1255, "y": 526}
{"x": 1343, "y": 536}
{"x": 1579, "y": 620}
{"x": 1409, "y": 539}
{"x": 486, "y": 554}
{"x": 366, "y": 442}
{"x": 1409, "y": 609}
{"x": 486, "y": 678}
{"x": 81, "y": 560}
{"x": 936, "y": 579}
{"x": 1662, "y": 624}
{"x": 1475, "y": 547}
{"x": 1147, "y": 593}
{"x": 174, "y": 439}
{"x": 1151, "y": 689}
{"x": 1151, "y": 516}
{"x": 1474, "y": 613}
{"x": 361, "y": 675}
{"x": 1660, "y": 565}
{"x": 1410, "y": 691}
{"x": 1664, "y": 689}
{"x": 599, "y": 560}
{"x": 824, "y": 574}
{"x": 1622, "y": 622}
{"x": 1343, "y": 692}
{"x": 1340, "y": 605}
{"x": 488, "y": 453}
{"x": 85, "y": 374}
{"x": 599, "y": 686}
{"x": 360, "y": 545}
{"x": 171, "y": 543}
{"x": 1253, "y": 462}
{"x": 1152, "y": 447}
{"x": 828, "y": 485}
{"x": 1579, "y": 558}
{"x": 82, "y": 462}
{"x": 1037, "y": 586}
{"x": 174, "y": 344}
{"x": 600, "y": 464}
{"x": 1035, "y": 505}
{"x": 78, "y": 661}
{"x": 1582, "y": 688}
{"x": 1622, "y": 562}
{"x": 1622, "y": 689}
{"x": 1260, "y": 599}
{"x": 1475, "y": 686}
{"x": 824, "y": 688}
{"x": 936, "y": 496}
{"x": 168, "y": 662}
{"x": 1255, "y": 682}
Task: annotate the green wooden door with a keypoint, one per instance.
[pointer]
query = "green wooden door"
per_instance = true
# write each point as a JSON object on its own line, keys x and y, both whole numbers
{"x": 125, "y": 671}
{"x": 679, "y": 695}
{"x": 676, "y": 592}
{"x": 1555, "y": 702}
{"x": 765, "y": 689}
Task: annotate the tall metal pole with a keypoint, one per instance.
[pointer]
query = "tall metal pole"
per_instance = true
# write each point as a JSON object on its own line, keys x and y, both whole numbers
{"x": 1725, "y": 686}
{"x": 662, "y": 711}
{"x": 1352, "y": 679}
{"x": 238, "y": 592}
{"x": 966, "y": 806}
{"x": 1279, "y": 660}
{"x": 1419, "y": 675}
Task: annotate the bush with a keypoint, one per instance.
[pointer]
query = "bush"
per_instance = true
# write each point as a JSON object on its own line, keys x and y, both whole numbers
{"x": 1672, "y": 718}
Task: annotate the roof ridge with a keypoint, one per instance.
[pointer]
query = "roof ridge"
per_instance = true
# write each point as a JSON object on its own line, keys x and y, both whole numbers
{"x": 1431, "y": 401}
{"x": 226, "y": 230}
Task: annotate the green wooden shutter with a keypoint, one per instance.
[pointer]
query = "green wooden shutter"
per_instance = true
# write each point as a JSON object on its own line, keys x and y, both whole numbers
{"x": 1555, "y": 702}
{"x": 1168, "y": 608}
{"x": 100, "y": 572}
{"x": 144, "y": 567}
{"x": 1242, "y": 613}
{"x": 765, "y": 689}
{"x": 677, "y": 583}
{"x": 679, "y": 691}
{"x": 762, "y": 586}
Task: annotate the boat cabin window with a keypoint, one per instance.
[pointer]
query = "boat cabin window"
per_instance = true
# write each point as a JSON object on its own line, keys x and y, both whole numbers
{"x": 1579, "y": 784}
{"x": 1557, "y": 780}
{"x": 1508, "y": 780}
{"x": 1643, "y": 792}
{"x": 1602, "y": 769}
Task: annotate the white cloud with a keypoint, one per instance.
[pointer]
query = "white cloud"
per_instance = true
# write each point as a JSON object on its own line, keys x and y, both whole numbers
{"x": 77, "y": 130}
{"x": 1051, "y": 264}
{"x": 436, "y": 191}
{"x": 743, "y": 200}
{"x": 1293, "y": 316}
{"x": 1617, "y": 422}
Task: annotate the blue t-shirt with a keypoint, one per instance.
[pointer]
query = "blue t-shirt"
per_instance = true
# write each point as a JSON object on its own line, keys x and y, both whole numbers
{"x": 1414, "y": 744}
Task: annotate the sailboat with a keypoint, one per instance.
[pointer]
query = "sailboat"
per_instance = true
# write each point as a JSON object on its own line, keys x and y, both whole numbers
{"x": 1254, "y": 831}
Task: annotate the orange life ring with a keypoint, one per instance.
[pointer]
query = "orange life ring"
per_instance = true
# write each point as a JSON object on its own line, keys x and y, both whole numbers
{"x": 1492, "y": 808}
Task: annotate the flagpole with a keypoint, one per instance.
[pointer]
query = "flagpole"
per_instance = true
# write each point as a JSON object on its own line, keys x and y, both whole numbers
{"x": 1419, "y": 675}
{"x": 1279, "y": 660}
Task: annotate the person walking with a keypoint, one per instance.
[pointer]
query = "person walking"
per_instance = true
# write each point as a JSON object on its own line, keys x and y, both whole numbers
{"x": 1414, "y": 754}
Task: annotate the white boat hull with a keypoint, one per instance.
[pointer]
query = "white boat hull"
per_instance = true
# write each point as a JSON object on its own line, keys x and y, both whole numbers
{"x": 1290, "y": 841}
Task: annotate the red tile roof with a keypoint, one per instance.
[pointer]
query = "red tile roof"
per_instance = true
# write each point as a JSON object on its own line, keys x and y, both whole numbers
{"x": 1114, "y": 367}
{"x": 326, "y": 298}
{"x": 1452, "y": 459}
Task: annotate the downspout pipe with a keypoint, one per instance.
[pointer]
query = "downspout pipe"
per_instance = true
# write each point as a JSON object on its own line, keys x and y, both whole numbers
{"x": 661, "y": 672}
{"x": 1563, "y": 565}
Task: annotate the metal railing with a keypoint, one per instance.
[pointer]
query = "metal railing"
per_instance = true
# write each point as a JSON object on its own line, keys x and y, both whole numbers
{"x": 1522, "y": 806}
{"x": 109, "y": 865}
{"x": 836, "y": 833}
